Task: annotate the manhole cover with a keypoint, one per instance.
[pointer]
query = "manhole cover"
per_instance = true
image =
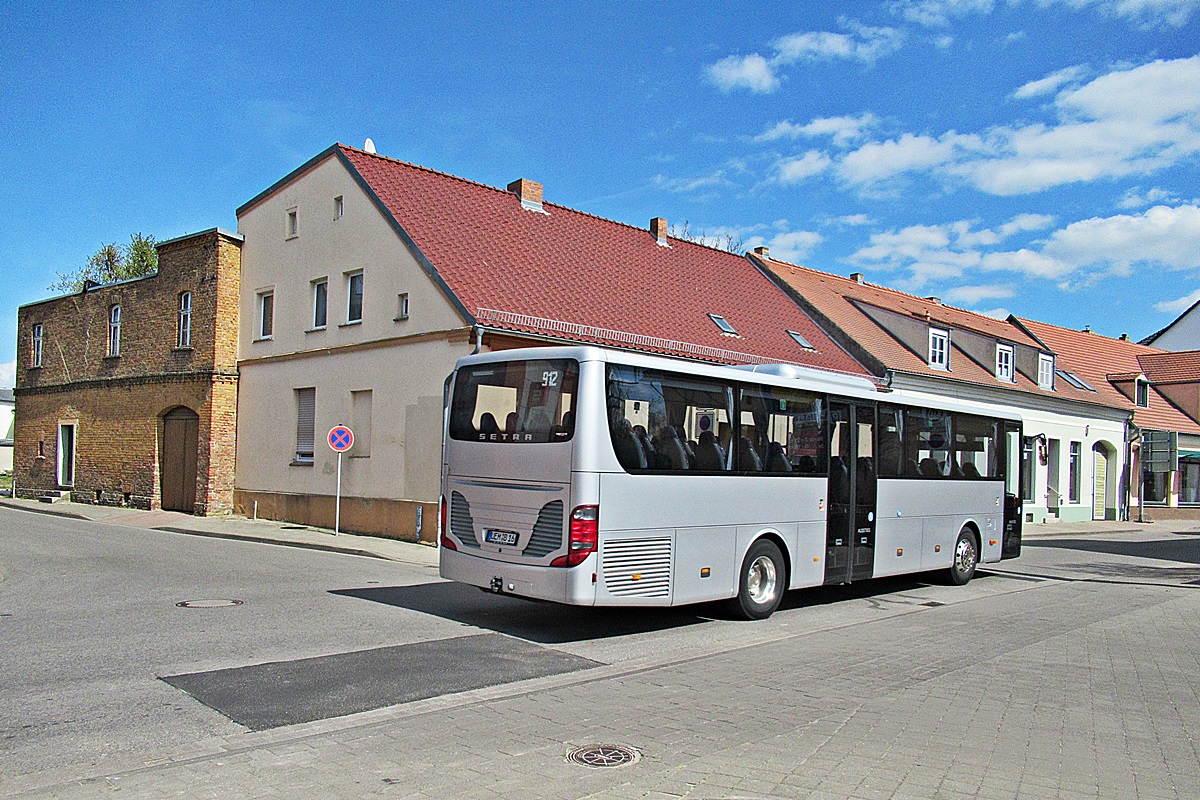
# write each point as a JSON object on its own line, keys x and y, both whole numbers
{"x": 604, "y": 755}
{"x": 209, "y": 603}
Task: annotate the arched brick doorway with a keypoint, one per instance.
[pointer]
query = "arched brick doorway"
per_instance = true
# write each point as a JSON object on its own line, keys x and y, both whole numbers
{"x": 181, "y": 428}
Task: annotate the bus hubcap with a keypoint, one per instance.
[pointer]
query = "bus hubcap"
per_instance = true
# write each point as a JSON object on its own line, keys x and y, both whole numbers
{"x": 966, "y": 555}
{"x": 761, "y": 580}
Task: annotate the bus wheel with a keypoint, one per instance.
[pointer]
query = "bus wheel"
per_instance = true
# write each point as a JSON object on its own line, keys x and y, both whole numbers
{"x": 966, "y": 558}
{"x": 761, "y": 586}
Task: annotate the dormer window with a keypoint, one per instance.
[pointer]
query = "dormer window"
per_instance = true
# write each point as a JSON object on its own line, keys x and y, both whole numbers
{"x": 721, "y": 323}
{"x": 939, "y": 349}
{"x": 1143, "y": 394}
{"x": 1004, "y": 363}
{"x": 1046, "y": 371}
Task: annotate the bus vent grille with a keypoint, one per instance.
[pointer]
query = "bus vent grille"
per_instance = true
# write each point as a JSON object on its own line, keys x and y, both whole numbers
{"x": 461, "y": 523}
{"x": 637, "y": 567}
{"x": 547, "y": 532}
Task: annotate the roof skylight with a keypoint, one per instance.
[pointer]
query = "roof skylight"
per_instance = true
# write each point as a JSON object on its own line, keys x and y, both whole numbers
{"x": 800, "y": 340}
{"x": 1074, "y": 380}
{"x": 724, "y": 325}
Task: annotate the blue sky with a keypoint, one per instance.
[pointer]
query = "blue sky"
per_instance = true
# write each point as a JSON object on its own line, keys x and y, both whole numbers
{"x": 1039, "y": 157}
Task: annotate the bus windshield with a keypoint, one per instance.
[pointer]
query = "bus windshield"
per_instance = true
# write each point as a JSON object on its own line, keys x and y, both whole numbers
{"x": 515, "y": 402}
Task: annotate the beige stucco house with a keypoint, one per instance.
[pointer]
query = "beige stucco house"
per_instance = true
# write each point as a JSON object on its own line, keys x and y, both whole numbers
{"x": 365, "y": 278}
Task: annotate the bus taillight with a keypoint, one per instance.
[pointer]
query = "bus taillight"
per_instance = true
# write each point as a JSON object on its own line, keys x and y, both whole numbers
{"x": 584, "y": 530}
{"x": 447, "y": 542}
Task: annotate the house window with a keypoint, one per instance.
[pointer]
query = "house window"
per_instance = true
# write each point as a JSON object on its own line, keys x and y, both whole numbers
{"x": 266, "y": 314}
{"x": 184, "y": 337}
{"x": 1046, "y": 371}
{"x": 1143, "y": 394}
{"x": 36, "y": 337}
{"x": 320, "y": 293}
{"x": 293, "y": 223}
{"x": 114, "y": 330}
{"x": 354, "y": 297}
{"x": 306, "y": 424}
{"x": 1076, "y": 475}
{"x": 401, "y": 307}
{"x": 1004, "y": 363}
{"x": 339, "y": 207}
{"x": 939, "y": 349}
{"x": 360, "y": 423}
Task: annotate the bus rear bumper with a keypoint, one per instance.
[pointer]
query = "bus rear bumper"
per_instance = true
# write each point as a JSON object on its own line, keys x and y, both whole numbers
{"x": 573, "y": 586}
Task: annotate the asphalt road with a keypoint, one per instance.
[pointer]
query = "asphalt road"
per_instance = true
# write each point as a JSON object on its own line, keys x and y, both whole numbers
{"x": 104, "y": 673}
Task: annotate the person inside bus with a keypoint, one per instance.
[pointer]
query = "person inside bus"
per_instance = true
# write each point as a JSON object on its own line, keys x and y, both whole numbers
{"x": 777, "y": 460}
{"x": 749, "y": 460}
{"x": 488, "y": 424}
{"x": 709, "y": 455}
{"x": 670, "y": 451}
{"x": 629, "y": 450}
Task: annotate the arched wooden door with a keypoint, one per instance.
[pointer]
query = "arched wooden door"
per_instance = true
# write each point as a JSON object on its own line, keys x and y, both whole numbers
{"x": 181, "y": 429}
{"x": 1099, "y": 482}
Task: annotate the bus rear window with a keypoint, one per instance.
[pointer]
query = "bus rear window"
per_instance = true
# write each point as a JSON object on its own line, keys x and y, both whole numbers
{"x": 515, "y": 402}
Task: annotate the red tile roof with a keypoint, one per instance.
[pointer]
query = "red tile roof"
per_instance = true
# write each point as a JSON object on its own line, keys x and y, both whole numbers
{"x": 1102, "y": 361}
{"x": 579, "y": 277}
{"x": 1174, "y": 367}
{"x": 840, "y": 300}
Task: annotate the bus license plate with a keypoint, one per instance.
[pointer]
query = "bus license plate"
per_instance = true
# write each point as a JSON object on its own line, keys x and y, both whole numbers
{"x": 500, "y": 537}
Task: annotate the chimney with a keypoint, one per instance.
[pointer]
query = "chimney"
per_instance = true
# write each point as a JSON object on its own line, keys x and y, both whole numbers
{"x": 529, "y": 192}
{"x": 763, "y": 252}
{"x": 934, "y": 300}
{"x": 1124, "y": 337}
{"x": 857, "y": 277}
{"x": 658, "y": 226}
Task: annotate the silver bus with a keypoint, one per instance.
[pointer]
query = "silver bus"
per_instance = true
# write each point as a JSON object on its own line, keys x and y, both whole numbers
{"x": 593, "y": 477}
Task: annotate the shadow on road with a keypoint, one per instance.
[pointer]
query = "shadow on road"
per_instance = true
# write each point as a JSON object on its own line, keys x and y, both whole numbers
{"x": 551, "y": 623}
{"x": 1183, "y": 550}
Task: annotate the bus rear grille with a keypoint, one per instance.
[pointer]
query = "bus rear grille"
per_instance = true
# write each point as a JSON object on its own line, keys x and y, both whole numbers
{"x": 547, "y": 531}
{"x": 637, "y": 567}
{"x": 461, "y": 523}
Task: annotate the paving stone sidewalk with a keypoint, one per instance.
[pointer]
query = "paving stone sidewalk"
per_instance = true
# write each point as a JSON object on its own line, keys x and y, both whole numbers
{"x": 1064, "y": 690}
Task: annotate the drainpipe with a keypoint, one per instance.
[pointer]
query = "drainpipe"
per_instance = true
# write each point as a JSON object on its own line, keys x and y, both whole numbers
{"x": 478, "y": 331}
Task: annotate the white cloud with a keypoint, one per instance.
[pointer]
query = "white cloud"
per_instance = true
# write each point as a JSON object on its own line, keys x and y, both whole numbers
{"x": 842, "y": 129}
{"x": 1144, "y": 13}
{"x": 1129, "y": 122}
{"x": 687, "y": 185}
{"x": 853, "y": 219}
{"x": 935, "y": 13}
{"x": 1178, "y": 306}
{"x": 971, "y": 295}
{"x": 863, "y": 43}
{"x": 1136, "y": 198}
{"x": 757, "y": 73}
{"x": 744, "y": 72}
{"x": 794, "y": 170}
{"x": 8, "y": 375}
{"x": 1162, "y": 236}
{"x": 786, "y": 245}
{"x": 1049, "y": 84}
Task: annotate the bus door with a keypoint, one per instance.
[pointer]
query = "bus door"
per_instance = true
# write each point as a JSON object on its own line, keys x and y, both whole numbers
{"x": 850, "y": 517}
{"x": 1012, "y": 490}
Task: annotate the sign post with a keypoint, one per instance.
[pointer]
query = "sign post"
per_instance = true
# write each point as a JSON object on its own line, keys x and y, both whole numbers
{"x": 340, "y": 440}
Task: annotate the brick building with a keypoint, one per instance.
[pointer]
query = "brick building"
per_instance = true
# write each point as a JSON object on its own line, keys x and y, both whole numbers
{"x": 127, "y": 393}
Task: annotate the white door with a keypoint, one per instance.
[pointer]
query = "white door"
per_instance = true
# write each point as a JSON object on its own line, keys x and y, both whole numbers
{"x": 66, "y": 454}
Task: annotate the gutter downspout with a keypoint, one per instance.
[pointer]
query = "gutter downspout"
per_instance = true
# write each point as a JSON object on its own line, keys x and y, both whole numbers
{"x": 478, "y": 339}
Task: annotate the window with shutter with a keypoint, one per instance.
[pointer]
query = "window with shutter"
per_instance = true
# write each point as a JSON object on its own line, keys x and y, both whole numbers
{"x": 306, "y": 424}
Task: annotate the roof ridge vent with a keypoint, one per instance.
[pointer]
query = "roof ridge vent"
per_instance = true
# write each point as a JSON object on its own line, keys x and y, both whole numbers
{"x": 529, "y": 193}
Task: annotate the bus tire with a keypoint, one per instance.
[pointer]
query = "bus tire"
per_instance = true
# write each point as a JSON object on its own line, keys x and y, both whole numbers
{"x": 966, "y": 558}
{"x": 761, "y": 582}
